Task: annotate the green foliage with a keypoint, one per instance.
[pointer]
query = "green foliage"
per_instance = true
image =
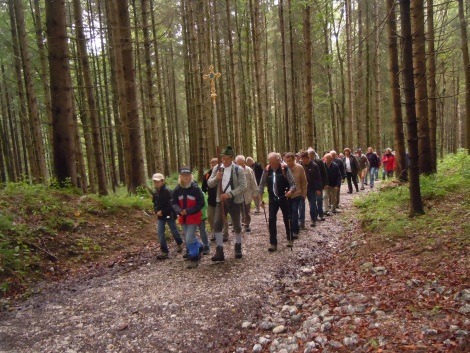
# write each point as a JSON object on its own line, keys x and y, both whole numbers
{"x": 386, "y": 212}
{"x": 33, "y": 213}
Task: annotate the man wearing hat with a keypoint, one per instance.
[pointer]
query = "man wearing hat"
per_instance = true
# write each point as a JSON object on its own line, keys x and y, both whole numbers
{"x": 231, "y": 184}
{"x": 162, "y": 196}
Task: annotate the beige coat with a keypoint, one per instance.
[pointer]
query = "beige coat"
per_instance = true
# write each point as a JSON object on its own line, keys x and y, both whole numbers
{"x": 251, "y": 185}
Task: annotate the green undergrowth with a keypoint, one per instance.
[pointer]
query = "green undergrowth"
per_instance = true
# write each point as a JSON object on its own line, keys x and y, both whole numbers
{"x": 38, "y": 223}
{"x": 385, "y": 215}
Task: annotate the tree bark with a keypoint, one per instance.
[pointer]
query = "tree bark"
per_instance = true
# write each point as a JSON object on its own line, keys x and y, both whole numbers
{"x": 136, "y": 162}
{"x": 432, "y": 88}
{"x": 261, "y": 138}
{"x": 350, "y": 117}
{"x": 61, "y": 93}
{"x": 284, "y": 76}
{"x": 421, "y": 91}
{"x": 466, "y": 65}
{"x": 308, "y": 106}
{"x": 416, "y": 204}
{"x": 394, "y": 71}
{"x": 90, "y": 97}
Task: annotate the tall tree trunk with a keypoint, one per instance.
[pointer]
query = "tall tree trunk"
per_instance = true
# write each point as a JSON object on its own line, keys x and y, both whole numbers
{"x": 163, "y": 127}
{"x": 15, "y": 149}
{"x": 44, "y": 69}
{"x": 341, "y": 110}
{"x": 350, "y": 118}
{"x": 416, "y": 204}
{"x": 394, "y": 70}
{"x": 377, "y": 125}
{"x": 362, "y": 98}
{"x": 326, "y": 42}
{"x": 466, "y": 65}
{"x": 295, "y": 128}
{"x": 284, "y": 76}
{"x": 419, "y": 62}
{"x": 308, "y": 106}
{"x": 90, "y": 97}
{"x": 136, "y": 163}
{"x": 34, "y": 119}
{"x": 261, "y": 138}
{"x": 233, "y": 86}
{"x": 431, "y": 69}
{"x": 26, "y": 137}
{"x": 61, "y": 93}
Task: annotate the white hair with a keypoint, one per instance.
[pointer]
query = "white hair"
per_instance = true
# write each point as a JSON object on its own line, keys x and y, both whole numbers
{"x": 240, "y": 157}
{"x": 275, "y": 155}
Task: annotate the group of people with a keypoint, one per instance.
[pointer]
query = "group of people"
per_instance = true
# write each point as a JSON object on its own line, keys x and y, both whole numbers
{"x": 230, "y": 187}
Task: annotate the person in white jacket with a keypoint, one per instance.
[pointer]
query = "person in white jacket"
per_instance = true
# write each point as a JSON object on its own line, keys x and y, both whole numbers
{"x": 250, "y": 191}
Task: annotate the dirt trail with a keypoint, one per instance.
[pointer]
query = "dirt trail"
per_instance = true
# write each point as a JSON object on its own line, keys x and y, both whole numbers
{"x": 162, "y": 306}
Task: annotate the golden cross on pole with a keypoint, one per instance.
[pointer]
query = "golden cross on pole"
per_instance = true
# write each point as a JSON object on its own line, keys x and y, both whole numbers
{"x": 212, "y": 76}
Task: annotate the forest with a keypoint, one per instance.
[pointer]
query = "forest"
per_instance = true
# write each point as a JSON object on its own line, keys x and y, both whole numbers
{"x": 99, "y": 94}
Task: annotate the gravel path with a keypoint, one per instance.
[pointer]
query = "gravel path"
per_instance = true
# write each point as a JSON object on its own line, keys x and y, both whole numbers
{"x": 162, "y": 306}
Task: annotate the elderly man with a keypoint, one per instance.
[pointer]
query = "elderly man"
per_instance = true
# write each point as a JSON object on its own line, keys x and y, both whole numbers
{"x": 231, "y": 183}
{"x": 314, "y": 188}
{"x": 334, "y": 182}
{"x": 280, "y": 182}
{"x": 300, "y": 192}
{"x": 342, "y": 170}
{"x": 212, "y": 200}
{"x": 324, "y": 180}
{"x": 250, "y": 191}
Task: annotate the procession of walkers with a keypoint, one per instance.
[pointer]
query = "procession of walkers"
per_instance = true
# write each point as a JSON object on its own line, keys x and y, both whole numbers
{"x": 234, "y": 182}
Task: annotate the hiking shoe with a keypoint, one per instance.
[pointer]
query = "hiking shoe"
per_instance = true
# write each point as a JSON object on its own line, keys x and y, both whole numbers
{"x": 327, "y": 213}
{"x": 302, "y": 226}
{"x": 179, "y": 248}
{"x": 295, "y": 236}
{"x": 272, "y": 248}
{"x": 192, "y": 264}
{"x": 257, "y": 211}
{"x": 186, "y": 255}
{"x": 213, "y": 238}
{"x": 225, "y": 238}
{"x": 322, "y": 218}
{"x": 162, "y": 256}
{"x": 362, "y": 187}
{"x": 313, "y": 224}
{"x": 238, "y": 251}
{"x": 206, "y": 250}
{"x": 290, "y": 244}
{"x": 219, "y": 254}
{"x": 247, "y": 229}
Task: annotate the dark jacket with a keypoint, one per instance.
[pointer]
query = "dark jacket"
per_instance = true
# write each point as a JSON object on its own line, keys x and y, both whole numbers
{"x": 342, "y": 168}
{"x": 374, "y": 160}
{"x": 354, "y": 164}
{"x": 314, "y": 181}
{"x": 258, "y": 169}
{"x": 162, "y": 202}
{"x": 190, "y": 199}
{"x": 334, "y": 175}
{"x": 323, "y": 174}
{"x": 284, "y": 182}
{"x": 211, "y": 192}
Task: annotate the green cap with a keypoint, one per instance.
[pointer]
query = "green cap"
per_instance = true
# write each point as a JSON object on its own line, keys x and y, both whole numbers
{"x": 228, "y": 151}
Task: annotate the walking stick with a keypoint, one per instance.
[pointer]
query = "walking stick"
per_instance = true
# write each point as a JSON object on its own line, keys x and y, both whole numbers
{"x": 265, "y": 217}
{"x": 211, "y": 76}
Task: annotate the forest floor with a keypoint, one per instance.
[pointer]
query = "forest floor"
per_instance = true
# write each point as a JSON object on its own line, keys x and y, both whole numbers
{"x": 340, "y": 289}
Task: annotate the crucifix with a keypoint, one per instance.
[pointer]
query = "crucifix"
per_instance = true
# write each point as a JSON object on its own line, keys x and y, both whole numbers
{"x": 212, "y": 76}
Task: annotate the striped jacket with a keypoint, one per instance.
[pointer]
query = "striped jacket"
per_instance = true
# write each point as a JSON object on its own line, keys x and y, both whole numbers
{"x": 190, "y": 199}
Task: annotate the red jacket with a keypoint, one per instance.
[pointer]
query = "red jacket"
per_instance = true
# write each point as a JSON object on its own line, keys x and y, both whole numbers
{"x": 388, "y": 161}
{"x": 190, "y": 199}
